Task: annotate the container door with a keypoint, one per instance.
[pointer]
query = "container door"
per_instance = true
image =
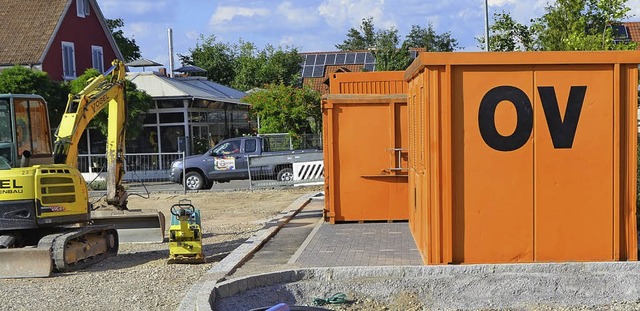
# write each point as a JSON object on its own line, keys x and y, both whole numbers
{"x": 493, "y": 165}
{"x": 362, "y": 134}
{"x": 574, "y": 127}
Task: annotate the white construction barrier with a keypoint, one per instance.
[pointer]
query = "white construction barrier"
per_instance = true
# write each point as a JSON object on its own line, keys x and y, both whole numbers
{"x": 312, "y": 171}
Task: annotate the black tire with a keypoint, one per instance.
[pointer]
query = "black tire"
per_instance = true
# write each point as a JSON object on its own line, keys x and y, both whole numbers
{"x": 209, "y": 185}
{"x": 285, "y": 174}
{"x": 194, "y": 181}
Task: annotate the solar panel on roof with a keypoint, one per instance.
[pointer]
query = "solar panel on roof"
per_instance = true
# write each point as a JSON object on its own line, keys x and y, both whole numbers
{"x": 314, "y": 64}
{"x": 318, "y": 71}
{"x": 369, "y": 58}
{"x": 307, "y": 71}
{"x": 350, "y": 58}
{"x": 311, "y": 58}
{"x": 620, "y": 32}
{"x": 320, "y": 59}
{"x": 331, "y": 59}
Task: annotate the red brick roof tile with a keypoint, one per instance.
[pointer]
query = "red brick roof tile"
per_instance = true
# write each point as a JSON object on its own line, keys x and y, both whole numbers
{"x": 27, "y": 26}
{"x": 319, "y": 84}
{"x": 634, "y": 32}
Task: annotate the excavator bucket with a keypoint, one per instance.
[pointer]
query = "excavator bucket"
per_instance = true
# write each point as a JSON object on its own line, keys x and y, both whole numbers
{"x": 133, "y": 226}
{"x": 25, "y": 263}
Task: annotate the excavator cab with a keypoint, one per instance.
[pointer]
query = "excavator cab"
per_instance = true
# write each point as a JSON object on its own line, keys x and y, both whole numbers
{"x": 35, "y": 193}
{"x": 7, "y": 146}
{"x": 25, "y": 133}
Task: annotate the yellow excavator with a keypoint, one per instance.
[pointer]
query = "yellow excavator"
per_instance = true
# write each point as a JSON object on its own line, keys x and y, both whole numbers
{"x": 47, "y": 222}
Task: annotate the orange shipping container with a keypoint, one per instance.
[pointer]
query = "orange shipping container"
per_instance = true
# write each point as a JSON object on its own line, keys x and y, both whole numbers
{"x": 523, "y": 156}
{"x": 365, "y": 147}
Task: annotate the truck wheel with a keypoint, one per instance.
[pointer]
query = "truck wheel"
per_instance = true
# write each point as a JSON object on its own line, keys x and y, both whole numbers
{"x": 209, "y": 185}
{"x": 194, "y": 181}
{"x": 285, "y": 174}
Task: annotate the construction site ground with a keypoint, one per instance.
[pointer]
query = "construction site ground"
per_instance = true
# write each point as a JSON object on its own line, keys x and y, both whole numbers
{"x": 265, "y": 247}
{"x": 376, "y": 265}
{"x": 139, "y": 278}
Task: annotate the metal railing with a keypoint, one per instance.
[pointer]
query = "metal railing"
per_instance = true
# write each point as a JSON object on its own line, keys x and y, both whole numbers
{"x": 141, "y": 170}
{"x": 284, "y": 141}
{"x": 149, "y": 172}
{"x": 285, "y": 170}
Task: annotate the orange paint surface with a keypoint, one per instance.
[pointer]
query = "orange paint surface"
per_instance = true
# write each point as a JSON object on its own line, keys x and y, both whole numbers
{"x": 363, "y": 120}
{"x": 523, "y": 156}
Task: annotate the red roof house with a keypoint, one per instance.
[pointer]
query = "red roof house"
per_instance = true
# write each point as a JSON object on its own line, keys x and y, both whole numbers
{"x": 633, "y": 32}
{"x": 60, "y": 37}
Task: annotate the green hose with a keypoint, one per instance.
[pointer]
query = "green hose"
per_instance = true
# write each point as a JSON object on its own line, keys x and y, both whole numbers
{"x": 336, "y": 299}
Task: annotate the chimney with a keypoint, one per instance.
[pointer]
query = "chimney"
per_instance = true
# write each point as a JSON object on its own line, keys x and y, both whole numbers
{"x": 170, "y": 34}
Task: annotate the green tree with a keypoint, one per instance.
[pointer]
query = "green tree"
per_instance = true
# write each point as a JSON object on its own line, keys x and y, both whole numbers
{"x": 216, "y": 58}
{"x": 21, "y": 80}
{"x": 285, "y": 109}
{"x": 128, "y": 47}
{"x": 243, "y": 65}
{"x": 385, "y": 45}
{"x": 362, "y": 38}
{"x": 506, "y": 34}
{"x": 137, "y": 102}
{"x": 570, "y": 25}
{"x": 388, "y": 54}
{"x": 428, "y": 39}
{"x": 257, "y": 68}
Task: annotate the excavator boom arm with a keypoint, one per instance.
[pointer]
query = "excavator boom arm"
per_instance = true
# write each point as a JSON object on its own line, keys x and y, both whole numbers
{"x": 105, "y": 90}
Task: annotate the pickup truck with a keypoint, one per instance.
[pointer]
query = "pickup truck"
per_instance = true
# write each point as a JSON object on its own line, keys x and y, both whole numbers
{"x": 229, "y": 160}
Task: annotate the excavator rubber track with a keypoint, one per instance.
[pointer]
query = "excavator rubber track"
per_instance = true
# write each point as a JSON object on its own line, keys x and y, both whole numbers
{"x": 82, "y": 247}
{"x": 66, "y": 251}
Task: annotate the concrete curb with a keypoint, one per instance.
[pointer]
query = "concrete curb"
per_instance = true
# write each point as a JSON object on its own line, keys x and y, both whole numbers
{"x": 306, "y": 242}
{"x": 201, "y": 294}
{"x": 464, "y": 287}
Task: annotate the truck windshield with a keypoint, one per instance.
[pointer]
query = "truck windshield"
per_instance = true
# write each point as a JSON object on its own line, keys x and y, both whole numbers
{"x": 229, "y": 147}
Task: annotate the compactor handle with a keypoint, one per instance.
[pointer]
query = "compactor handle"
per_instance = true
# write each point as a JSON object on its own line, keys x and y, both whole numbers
{"x": 182, "y": 209}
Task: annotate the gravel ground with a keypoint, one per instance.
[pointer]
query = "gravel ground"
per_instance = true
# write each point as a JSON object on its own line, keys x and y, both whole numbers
{"x": 139, "y": 277}
{"x": 562, "y": 286}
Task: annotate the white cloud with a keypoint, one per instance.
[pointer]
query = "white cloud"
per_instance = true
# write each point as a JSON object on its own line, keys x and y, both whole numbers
{"x": 296, "y": 16}
{"x": 192, "y": 35}
{"x": 341, "y": 14}
{"x": 227, "y": 13}
{"x": 141, "y": 29}
{"x": 524, "y": 12}
{"x": 146, "y": 7}
{"x": 139, "y": 7}
{"x": 500, "y": 2}
{"x": 286, "y": 41}
{"x": 635, "y": 9}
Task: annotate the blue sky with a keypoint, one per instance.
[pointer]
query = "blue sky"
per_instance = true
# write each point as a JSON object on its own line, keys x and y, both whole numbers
{"x": 309, "y": 25}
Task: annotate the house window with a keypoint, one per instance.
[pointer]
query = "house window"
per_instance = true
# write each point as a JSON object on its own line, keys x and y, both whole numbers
{"x": 82, "y": 8}
{"x": 68, "y": 61}
{"x": 96, "y": 58}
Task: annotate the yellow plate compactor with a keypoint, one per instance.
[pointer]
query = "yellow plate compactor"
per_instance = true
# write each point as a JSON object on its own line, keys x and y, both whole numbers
{"x": 185, "y": 234}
